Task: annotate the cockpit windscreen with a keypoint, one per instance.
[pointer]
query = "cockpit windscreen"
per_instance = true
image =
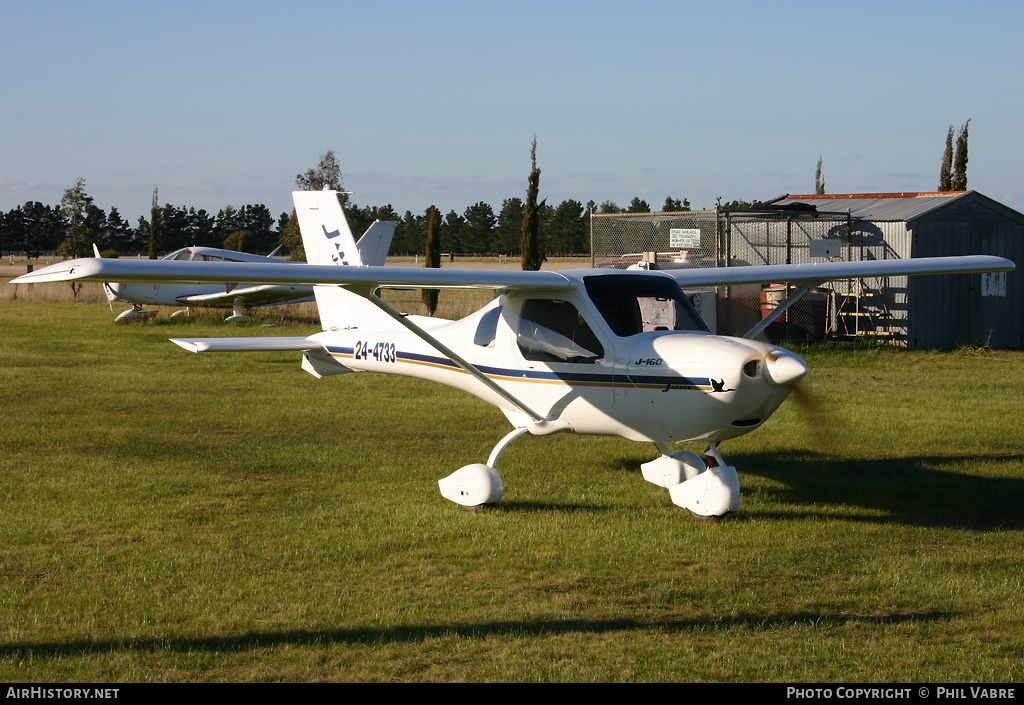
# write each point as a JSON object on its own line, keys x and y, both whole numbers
{"x": 638, "y": 303}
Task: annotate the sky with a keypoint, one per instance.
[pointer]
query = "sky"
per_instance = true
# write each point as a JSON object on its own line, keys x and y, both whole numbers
{"x": 430, "y": 102}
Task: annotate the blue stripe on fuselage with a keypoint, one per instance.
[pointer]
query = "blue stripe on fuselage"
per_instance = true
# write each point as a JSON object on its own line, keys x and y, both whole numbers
{"x": 518, "y": 374}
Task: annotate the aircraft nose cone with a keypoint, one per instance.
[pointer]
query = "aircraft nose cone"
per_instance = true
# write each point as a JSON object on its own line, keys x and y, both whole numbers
{"x": 783, "y": 367}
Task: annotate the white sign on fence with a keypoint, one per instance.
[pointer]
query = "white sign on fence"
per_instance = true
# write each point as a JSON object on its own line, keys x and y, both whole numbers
{"x": 683, "y": 238}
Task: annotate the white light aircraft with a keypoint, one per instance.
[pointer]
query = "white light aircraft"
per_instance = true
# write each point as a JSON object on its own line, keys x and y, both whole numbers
{"x": 600, "y": 351}
{"x": 373, "y": 249}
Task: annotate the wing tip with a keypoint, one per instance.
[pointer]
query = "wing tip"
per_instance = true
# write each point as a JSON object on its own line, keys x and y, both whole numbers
{"x": 190, "y": 345}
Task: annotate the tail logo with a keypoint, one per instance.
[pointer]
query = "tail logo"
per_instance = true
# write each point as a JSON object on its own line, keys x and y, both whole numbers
{"x": 339, "y": 256}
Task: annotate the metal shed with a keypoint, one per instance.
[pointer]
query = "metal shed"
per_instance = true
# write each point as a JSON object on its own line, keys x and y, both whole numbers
{"x": 941, "y": 311}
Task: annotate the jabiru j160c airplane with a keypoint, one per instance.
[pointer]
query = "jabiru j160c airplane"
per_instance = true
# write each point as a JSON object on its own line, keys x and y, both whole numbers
{"x": 590, "y": 351}
{"x": 372, "y": 247}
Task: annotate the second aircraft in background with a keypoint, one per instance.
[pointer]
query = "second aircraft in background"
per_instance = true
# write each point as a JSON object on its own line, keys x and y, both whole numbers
{"x": 373, "y": 247}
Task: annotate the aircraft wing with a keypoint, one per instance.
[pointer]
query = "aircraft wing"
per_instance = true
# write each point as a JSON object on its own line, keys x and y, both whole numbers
{"x": 262, "y": 295}
{"x": 814, "y": 273}
{"x": 123, "y": 270}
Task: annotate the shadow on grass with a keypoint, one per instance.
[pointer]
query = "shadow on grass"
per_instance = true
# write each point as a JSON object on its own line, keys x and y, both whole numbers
{"x": 917, "y": 491}
{"x": 926, "y": 491}
{"x": 512, "y": 506}
{"x": 414, "y": 634}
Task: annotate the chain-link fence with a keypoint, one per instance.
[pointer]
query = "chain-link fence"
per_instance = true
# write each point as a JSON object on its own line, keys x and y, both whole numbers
{"x": 726, "y": 238}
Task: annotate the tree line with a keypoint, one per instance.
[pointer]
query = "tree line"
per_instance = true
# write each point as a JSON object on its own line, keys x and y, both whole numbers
{"x": 72, "y": 227}
{"x": 37, "y": 229}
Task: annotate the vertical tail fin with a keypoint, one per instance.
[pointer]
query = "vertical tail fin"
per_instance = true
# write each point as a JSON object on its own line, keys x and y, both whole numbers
{"x": 327, "y": 239}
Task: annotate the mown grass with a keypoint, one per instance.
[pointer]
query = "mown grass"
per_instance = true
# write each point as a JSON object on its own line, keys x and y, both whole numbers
{"x": 179, "y": 517}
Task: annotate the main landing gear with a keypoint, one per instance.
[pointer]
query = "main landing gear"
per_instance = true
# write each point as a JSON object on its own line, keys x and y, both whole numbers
{"x": 706, "y": 487}
{"x": 135, "y": 315}
{"x": 478, "y": 485}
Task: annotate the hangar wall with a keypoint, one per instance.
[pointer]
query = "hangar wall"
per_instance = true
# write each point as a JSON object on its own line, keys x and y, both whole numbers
{"x": 937, "y": 312}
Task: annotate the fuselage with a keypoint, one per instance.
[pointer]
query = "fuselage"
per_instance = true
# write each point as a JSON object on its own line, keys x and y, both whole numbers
{"x": 162, "y": 294}
{"x": 208, "y": 295}
{"x": 614, "y": 356}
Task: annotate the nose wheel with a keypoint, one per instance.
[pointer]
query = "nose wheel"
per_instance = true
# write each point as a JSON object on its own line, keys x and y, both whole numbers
{"x": 706, "y": 487}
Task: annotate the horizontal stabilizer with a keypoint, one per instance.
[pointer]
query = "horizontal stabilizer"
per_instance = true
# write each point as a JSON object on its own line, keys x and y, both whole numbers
{"x": 198, "y": 345}
{"x": 373, "y": 246}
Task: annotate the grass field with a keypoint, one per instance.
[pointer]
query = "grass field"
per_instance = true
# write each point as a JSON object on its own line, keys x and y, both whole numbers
{"x": 179, "y": 517}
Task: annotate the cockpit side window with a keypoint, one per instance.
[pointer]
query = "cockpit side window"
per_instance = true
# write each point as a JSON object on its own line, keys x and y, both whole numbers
{"x": 487, "y": 328}
{"x": 637, "y": 303}
{"x": 554, "y": 331}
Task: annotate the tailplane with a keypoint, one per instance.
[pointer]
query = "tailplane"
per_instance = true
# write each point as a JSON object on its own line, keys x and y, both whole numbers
{"x": 373, "y": 246}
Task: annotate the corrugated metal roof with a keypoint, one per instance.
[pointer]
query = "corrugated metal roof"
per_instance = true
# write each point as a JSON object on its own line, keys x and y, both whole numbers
{"x": 876, "y": 206}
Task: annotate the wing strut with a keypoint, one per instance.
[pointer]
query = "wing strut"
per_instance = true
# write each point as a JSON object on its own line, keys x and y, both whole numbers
{"x": 779, "y": 310}
{"x": 437, "y": 345}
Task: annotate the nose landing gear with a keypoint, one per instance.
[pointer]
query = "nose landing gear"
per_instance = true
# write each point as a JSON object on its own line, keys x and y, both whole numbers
{"x": 706, "y": 487}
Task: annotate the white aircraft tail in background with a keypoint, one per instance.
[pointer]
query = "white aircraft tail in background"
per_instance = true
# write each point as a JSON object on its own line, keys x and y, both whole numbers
{"x": 326, "y": 236}
{"x": 328, "y": 240}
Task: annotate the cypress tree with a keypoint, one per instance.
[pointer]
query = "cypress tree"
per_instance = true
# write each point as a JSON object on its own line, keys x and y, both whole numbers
{"x": 154, "y": 226}
{"x": 531, "y": 249}
{"x": 959, "y": 180}
{"x": 433, "y": 256}
{"x": 946, "y": 172}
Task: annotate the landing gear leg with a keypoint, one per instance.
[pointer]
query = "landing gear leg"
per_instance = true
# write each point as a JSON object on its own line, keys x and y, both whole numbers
{"x": 478, "y": 484}
{"x": 238, "y": 312}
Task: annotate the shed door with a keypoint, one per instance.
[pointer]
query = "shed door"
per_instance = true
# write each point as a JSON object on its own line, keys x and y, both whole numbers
{"x": 973, "y": 309}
